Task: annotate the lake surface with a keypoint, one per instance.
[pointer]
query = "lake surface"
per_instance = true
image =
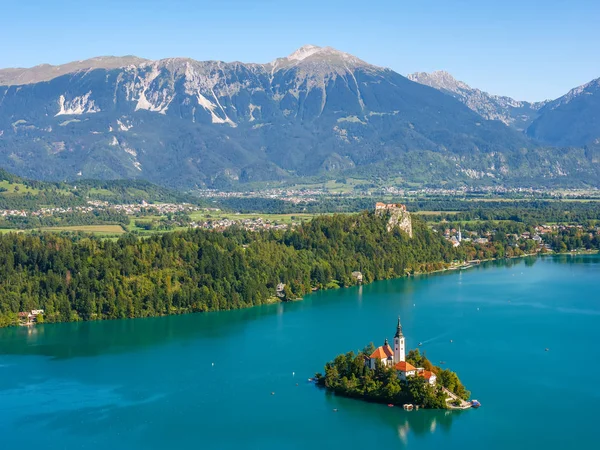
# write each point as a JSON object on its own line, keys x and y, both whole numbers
{"x": 205, "y": 380}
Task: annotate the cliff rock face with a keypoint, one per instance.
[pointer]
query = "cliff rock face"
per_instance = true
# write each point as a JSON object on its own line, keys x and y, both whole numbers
{"x": 399, "y": 216}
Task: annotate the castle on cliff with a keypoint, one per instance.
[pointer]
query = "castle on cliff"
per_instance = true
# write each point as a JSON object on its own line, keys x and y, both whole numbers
{"x": 399, "y": 216}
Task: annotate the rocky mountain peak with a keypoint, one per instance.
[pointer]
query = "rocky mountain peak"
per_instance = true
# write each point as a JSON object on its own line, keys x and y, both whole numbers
{"x": 514, "y": 113}
{"x": 439, "y": 79}
{"x": 195, "y": 123}
{"x": 304, "y": 52}
{"x": 313, "y": 54}
{"x": 46, "y": 72}
{"x": 585, "y": 89}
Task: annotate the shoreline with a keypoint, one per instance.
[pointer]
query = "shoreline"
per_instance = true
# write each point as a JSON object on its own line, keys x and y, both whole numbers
{"x": 537, "y": 255}
{"x": 275, "y": 300}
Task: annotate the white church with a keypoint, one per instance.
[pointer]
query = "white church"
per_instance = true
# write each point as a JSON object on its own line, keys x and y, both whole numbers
{"x": 397, "y": 358}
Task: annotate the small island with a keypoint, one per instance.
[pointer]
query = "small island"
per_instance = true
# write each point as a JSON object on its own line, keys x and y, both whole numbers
{"x": 386, "y": 375}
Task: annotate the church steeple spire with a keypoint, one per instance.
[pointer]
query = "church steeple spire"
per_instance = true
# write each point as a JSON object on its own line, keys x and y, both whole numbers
{"x": 399, "y": 344}
{"x": 399, "y": 329}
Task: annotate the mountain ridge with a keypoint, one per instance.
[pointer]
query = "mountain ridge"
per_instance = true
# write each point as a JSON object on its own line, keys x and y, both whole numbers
{"x": 515, "y": 113}
{"x": 571, "y": 120}
{"x": 319, "y": 111}
{"x": 45, "y": 72}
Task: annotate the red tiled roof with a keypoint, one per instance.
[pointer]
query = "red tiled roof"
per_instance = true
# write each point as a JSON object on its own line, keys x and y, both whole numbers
{"x": 426, "y": 374}
{"x": 404, "y": 366}
{"x": 383, "y": 352}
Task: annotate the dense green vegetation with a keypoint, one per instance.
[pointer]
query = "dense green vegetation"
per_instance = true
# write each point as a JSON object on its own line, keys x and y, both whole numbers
{"x": 23, "y": 194}
{"x": 511, "y": 238}
{"x": 534, "y": 212}
{"x": 97, "y": 217}
{"x": 348, "y": 375}
{"x": 85, "y": 278}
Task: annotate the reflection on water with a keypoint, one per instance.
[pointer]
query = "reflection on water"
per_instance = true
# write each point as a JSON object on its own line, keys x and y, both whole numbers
{"x": 152, "y": 382}
{"x": 118, "y": 336}
{"x": 406, "y": 424}
{"x": 574, "y": 259}
{"x": 85, "y": 339}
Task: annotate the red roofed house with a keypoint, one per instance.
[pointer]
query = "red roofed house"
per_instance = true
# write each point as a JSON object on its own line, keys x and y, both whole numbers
{"x": 383, "y": 354}
{"x": 405, "y": 369}
{"x": 396, "y": 358}
{"x": 428, "y": 375}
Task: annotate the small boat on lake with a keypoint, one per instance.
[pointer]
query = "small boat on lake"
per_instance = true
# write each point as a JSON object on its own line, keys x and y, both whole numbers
{"x": 475, "y": 404}
{"x": 390, "y": 405}
{"x": 420, "y": 343}
{"x": 408, "y": 407}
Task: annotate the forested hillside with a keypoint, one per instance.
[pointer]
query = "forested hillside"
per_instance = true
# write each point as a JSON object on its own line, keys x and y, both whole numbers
{"x": 22, "y": 193}
{"x": 90, "y": 279}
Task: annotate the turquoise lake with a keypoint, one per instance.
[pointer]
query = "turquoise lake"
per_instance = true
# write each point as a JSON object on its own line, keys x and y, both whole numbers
{"x": 205, "y": 380}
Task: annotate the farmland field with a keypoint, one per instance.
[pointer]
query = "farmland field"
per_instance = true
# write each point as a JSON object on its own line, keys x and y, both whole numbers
{"x": 96, "y": 229}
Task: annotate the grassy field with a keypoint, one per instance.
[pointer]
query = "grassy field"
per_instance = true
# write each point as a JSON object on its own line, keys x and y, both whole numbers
{"x": 131, "y": 226}
{"x": 9, "y": 230}
{"x": 95, "y": 229}
{"x": 100, "y": 192}
{"x": 16, "y": 188}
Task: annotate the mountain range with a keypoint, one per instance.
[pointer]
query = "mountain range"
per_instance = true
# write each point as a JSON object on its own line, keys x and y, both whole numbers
{"x": 514, "y": 113}
{"x": 571, "y": 120}
{"x": 318, "y": 112}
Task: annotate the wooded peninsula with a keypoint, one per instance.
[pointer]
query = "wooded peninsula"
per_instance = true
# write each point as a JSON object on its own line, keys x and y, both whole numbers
{"x": 82, "y": 277}
{"x": 76, "y": 278}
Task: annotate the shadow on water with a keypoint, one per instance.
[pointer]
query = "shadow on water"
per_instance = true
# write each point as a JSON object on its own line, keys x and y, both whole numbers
{"x": 405, "y": 423}
{"x": 89, "y": 339}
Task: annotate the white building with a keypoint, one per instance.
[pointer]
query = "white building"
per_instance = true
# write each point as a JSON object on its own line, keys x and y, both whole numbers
{"x": 428, "y": 375}
{"x": 397, "y": 358}
{"x": 399, "y": 344}
{"x": 386, "y": 355}
{"x": 405, "y": 369}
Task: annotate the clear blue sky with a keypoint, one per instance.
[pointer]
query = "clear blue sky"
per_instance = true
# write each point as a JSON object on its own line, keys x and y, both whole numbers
{"x": 528, "y": 49}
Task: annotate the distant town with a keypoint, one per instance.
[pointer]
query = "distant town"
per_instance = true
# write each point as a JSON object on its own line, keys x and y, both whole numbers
{"x": 456, "y": 236}
{"x": 304, "y": 194}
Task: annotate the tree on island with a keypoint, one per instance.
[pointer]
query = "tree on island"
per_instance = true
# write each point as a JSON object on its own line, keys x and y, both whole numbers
{"x": 349, "y": 375}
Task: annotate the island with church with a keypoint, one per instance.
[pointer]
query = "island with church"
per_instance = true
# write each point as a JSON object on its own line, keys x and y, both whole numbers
{"x": 390, "y": 375}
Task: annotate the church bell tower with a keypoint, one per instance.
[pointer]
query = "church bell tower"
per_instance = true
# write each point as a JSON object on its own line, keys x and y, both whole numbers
{"x": 399, "y": 344}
